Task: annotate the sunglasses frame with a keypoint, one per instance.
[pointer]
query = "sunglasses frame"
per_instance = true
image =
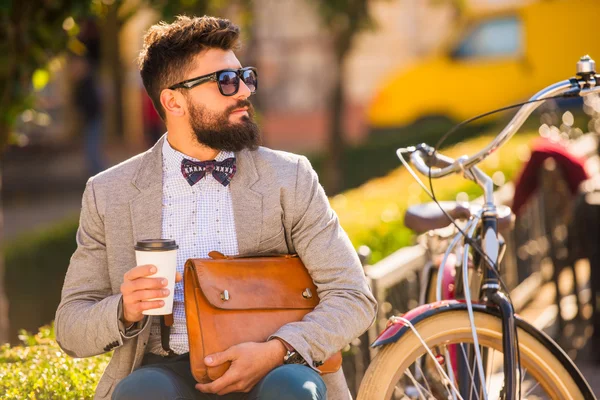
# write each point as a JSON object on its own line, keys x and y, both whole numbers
{"x": 213, "y": 77}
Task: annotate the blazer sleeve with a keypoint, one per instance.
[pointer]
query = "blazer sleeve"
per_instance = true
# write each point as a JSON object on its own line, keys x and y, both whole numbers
{"x": 86, "y": 322}
{"x": 347, "y": 307}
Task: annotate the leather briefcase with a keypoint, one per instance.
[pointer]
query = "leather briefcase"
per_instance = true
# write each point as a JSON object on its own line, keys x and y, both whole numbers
{"x": 231, "y": 300}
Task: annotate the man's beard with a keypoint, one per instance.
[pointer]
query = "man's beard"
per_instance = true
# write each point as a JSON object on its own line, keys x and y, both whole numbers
{"x": 214, "y": 130}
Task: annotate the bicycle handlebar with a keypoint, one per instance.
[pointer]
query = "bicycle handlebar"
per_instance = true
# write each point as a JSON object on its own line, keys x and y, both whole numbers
{"x": 436, "y": 165}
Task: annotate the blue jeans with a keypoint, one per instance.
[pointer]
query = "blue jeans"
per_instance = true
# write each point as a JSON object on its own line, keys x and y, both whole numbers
{"x": 171, "y": 379}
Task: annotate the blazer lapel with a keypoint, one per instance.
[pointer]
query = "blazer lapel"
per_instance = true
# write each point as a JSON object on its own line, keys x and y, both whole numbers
{"x": 146, "y": 207}
{"x": 247, "y": 203}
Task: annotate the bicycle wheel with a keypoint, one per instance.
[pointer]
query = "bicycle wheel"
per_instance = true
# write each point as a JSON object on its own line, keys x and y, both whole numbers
{"x": 404, "y": 370}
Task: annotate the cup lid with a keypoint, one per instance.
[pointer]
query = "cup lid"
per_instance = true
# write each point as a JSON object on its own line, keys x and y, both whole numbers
{"x": 156, "y": 245}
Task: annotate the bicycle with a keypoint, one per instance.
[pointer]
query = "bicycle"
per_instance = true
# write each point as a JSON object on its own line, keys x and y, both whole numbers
{"x": 447, "y": 349}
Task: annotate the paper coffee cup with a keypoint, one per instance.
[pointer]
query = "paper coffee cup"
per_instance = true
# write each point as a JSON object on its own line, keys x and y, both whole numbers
{"x": 163, "y": 254}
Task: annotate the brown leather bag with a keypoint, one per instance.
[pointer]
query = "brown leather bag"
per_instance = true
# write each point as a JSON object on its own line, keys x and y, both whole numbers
{"x": 232, "y": 300}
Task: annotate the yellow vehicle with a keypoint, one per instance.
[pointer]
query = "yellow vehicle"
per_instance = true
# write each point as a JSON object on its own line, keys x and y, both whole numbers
{"x": 496, "y": 59}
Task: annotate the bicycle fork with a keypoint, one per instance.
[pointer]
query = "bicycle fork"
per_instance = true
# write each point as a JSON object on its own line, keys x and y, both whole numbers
{"x": 509, "y": 343}
{"x": 493, "y": 296}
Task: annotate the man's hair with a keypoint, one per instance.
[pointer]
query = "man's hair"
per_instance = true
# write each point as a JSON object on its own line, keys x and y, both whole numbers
{"x": 169, "y": 49}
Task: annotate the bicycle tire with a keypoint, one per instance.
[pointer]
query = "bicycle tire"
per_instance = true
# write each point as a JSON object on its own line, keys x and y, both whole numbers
{"x": 547, "y": 363}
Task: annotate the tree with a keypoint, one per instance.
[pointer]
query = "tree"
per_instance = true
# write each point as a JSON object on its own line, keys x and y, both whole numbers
{"x": 343, "y": 20}
{"x": 32, "y": 36}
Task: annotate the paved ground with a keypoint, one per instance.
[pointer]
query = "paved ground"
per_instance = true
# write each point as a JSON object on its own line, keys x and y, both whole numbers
{"x": 45, "y": 186}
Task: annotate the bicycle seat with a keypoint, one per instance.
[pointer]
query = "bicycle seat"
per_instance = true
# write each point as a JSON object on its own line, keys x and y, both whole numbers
{"x": 428, "y": 216}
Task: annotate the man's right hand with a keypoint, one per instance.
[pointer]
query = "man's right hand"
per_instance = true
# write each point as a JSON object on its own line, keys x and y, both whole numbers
{"x": 138, "y": 288}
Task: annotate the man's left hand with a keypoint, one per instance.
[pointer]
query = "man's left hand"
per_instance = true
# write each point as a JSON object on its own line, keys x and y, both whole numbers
{"x": 250, "y": 362}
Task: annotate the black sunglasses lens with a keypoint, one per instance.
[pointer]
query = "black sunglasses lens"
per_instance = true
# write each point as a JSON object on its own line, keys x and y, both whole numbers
{"x": 229, "y": 82}
{"x": 250, "y": 79}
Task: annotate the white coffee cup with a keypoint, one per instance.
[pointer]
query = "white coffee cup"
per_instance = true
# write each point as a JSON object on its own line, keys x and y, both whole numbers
{"x": 163, "y": 254}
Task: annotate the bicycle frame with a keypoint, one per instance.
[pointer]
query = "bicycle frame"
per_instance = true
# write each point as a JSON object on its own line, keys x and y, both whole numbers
{"x": 435, "y": 165}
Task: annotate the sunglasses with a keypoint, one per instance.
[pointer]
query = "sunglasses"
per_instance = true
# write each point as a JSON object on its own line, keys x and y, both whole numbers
{"x": 228, "y": 80}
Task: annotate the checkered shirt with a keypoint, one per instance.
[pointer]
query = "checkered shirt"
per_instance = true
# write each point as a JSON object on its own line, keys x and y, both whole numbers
{"x": 200, "y": 219}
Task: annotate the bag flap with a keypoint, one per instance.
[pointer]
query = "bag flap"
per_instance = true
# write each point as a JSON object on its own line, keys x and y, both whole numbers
{"x": 255, "y": 283}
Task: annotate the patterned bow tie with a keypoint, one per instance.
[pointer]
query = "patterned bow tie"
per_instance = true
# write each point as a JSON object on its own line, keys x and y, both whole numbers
{"x": 222, "y": 171}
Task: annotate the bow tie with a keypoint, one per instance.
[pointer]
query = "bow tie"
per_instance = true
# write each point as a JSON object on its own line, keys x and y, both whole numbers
{"x": 222, "y": 171}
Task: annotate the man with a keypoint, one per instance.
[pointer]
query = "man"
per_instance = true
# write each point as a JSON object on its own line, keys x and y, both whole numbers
{"x": 271, "y": 202}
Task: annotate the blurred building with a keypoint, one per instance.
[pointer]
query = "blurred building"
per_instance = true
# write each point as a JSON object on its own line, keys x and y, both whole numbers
{"x": 296, "y": 64}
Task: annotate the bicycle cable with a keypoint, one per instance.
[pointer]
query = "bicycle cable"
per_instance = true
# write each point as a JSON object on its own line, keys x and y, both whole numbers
{"x": 431, "y": 193}
{"x": 489, "y": 263}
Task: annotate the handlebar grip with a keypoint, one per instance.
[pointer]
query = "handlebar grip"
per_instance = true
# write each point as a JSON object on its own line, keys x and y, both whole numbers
{"x": 425, "y": 157}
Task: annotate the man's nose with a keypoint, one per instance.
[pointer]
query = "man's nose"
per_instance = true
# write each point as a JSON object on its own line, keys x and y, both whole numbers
{"x": 244, "y": 92}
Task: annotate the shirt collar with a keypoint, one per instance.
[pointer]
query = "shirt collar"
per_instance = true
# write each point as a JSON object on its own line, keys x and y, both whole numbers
{"x": 172, "y": 158}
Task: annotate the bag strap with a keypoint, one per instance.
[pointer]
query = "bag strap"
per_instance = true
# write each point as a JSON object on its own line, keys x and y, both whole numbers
{"x": 216, "y": 255}
{"x": 166, "y": 321}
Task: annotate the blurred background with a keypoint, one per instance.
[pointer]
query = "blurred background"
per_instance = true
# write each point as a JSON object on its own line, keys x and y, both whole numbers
{"x": 343, "y": 82}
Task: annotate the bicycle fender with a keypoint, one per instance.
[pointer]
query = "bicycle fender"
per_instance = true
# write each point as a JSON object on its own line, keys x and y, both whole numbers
{"x": 396, "y": 327}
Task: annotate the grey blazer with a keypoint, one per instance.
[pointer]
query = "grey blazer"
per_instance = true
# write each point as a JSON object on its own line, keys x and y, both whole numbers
{"x": 278, "y": 206}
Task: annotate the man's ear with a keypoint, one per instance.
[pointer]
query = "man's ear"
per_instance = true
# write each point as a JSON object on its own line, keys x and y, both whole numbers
{"x": 173, "y": 102}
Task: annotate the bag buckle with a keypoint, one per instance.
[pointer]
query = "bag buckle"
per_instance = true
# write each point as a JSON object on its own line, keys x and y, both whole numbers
{"x": 225, "y": 295}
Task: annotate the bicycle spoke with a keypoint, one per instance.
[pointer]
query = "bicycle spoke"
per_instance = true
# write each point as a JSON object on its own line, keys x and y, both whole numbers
{"x": 473, "y": 388}
{"x": 449, "y": 383}
{"x": 429, "y": 353}
{"x": 523, "y": 374}
{"x": 462, "y": 347}
{"x": 417, "y": 385}
{"x": 490, "y": 370}
{"x": 424, "y": 377}
{"x": 450, "y": 370}
{"x": 532, "y": 388}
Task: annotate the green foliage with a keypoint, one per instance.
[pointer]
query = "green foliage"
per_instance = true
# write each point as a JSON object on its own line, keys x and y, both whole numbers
{"x": 33, "y": 35}
{"x": 35, "y": 269}
{"x": 41, "y": 370}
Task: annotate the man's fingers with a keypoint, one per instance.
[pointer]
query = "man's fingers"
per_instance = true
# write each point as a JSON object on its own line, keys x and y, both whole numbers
{"x": 141, "y": 295}
{"x": 236, "y": 387}
{"x": 143, "y": 284}
{"x": 146, "y": 305}
{"x": 139, "y": 272}
{"x": 228, "y": 379}
{"x": 220, "y": 358}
